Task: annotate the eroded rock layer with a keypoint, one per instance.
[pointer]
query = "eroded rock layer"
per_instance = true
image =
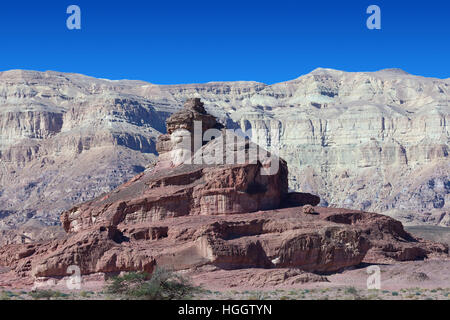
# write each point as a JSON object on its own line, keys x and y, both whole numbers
{"x": 326, "y": 242}
{"x": 374, "y": 141}
{"x": 186, "y": 215}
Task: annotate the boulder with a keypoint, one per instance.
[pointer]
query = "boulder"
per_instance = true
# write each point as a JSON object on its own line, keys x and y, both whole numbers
{"x": 308, "y": 209}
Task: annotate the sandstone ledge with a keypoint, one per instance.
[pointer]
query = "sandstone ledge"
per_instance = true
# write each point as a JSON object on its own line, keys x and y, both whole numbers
{"x": 286, "y": 238}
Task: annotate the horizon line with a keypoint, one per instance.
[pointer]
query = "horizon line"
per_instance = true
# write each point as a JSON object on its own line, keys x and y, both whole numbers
{"x": 396, "y": 70}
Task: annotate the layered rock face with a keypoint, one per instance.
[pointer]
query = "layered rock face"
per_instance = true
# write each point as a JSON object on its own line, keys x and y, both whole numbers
{"x": 174, "y": 188}
{"x": 189, "y": 215}
{"x": 67, "y": 138}
{"x": 326, "y": 242}
{"x": 375, "y": 141}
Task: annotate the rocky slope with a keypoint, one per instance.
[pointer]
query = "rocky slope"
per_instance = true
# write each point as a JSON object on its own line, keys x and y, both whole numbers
{"x": 65, "y": 139}
{"x": 190, "y": 215}
{"x": 375, "y": 141}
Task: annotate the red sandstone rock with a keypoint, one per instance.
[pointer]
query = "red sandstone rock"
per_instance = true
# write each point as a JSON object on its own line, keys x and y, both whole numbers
{"x": 264, "y": 239}
{"x": 186, "y": 216}
{"x": 308, "y": 209}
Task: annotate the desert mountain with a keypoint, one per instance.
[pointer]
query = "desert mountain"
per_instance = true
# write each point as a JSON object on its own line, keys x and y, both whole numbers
{"x": 198, "y": 216}
{"x": 375, "y": 141}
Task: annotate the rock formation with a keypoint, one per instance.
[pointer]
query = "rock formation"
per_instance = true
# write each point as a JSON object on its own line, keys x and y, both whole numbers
{"x": 189, "y": 215}
{"x": 65, "y": 139}
{"x": 374, "y": 141}
{"x": 176, "y": 188}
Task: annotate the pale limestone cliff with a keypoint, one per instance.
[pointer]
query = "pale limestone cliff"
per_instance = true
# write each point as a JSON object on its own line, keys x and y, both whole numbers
{"x": 376, "y": 141}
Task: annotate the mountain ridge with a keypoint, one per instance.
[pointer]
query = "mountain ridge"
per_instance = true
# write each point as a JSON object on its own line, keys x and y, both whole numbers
{"x": 334, "y": 128}
{"x": 393, "y": 70}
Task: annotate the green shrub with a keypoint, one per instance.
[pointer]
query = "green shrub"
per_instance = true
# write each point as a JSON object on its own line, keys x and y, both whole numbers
{"x": 47, "y": 294}
{"x": 351, "y": 290}
{"x": 160, "y": 285}
{"x": 394, "y": 293}
{"x": 258, "y": 296}
{"x": 5, "y": 295}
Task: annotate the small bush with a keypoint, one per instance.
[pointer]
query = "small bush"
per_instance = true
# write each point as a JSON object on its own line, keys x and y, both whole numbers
{"x": 351, "y": 290}
{"x": 394, "y": 293}
{"x": 47, "y": 294}
{"x": 160, "y": 285}
{"x": 258, "y": 296}
{"x": 5, "y": 295}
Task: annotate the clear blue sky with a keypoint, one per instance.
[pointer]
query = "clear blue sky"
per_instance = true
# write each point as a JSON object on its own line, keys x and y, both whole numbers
{"x": 167, "y": 42}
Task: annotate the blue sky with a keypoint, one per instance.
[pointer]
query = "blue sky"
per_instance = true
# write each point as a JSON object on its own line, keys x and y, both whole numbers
{"x": 168, "y": 42}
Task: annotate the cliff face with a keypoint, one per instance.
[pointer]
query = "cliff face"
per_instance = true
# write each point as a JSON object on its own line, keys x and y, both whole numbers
{"x": 67, "y": 138}
{"x": 372, "y": 141}
{"x": 193, "y": 214}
